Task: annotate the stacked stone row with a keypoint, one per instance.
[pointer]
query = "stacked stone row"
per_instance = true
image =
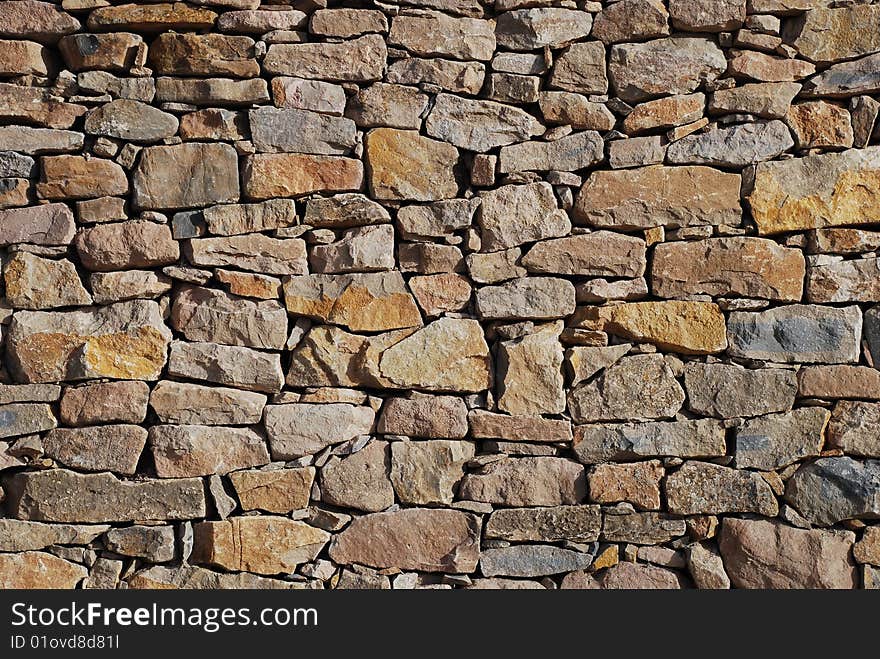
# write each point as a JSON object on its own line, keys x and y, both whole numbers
{"x": 440, "y": 294}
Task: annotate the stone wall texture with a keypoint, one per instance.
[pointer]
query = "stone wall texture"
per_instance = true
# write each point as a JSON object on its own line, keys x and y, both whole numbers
{"x": 440, "y": 294}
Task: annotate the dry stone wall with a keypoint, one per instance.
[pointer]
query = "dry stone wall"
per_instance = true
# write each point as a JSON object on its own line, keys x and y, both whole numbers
{"x": 441, "y": 294}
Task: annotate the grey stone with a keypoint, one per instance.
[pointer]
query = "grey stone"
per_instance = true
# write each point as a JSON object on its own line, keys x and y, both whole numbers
{"x": 698, "y": 438}
{"x": 830, "y": 490}
{"x": 532, "y": 561}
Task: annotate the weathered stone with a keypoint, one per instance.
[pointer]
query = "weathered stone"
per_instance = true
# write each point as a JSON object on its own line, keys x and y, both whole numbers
{"x": 116, "y": 51}
{"x": 263, "y": 544}
{"x": 343, "y": 211}
{"x": 532, "y": 561}
{"x": 36, "y": 569}
{"x": 528, "y": 297}
{"x": 766, "y": 68}
{"x": 41, "y": 21}
{"x": 575, "y": 110}
{"x": 642, "y": 528}
{"x": 641, "y": 386}
{"x": 131, "y": 121}
{"x": 405, "y": 165}
{"x": 154, "y": 544}
{"x": 414, "y": 539}
{"x": 48, "y": 224}
{"x": 127, "y": 340}
{"x": 844, "y": 281}
{"x": 797, "y": 333}
{"x": 393, "y": 106}
{"x": 234, "y": 219}
{"x": 203, "y": 55}
{"x": 193, "y": 577}
{"x": 478, "y": 125}
{"x": 818, "y": 124}
{"x": 358, "y": 60}
{"x": 516, "y": 214}
{"x": 777, "y": 440}
{"x": 424, "y": 416}
{"x": 701, "y": 438}
{"x": 567, "y": 154}
{"x": 25, "y": 419}
{"x": 115, "y": 448}
{"x": 255, "y": 252}
{"x": 125, "y": 245}
{"x": 29, "y": 393}
{"x": 260, "y": 21}
{"x": 770, "y": 100}
{"x": 361, "y": 249}
{"x": 736, "y": 146}
{"x": 35, "y": 141}
{"x": 532, "y": 29}
{"x": 830, "y": 490}
{"x": 581, "y": 69}
{"x": 105, "y": 402}
{"x": 554, "y": 524}
{"x": 426, "y": 473}
{"x": 346, "y": 23}
{"x": 526, "y": 482}
{"x": 58, "y": 495}
{"x": 529, "y": 372}
{"x": 184, "y": 403}
{"x": 16, "y": 165}
{"x": 839, "y": 382}
{"x": 664, "y": 113}
{"x": 33, "y": 282}
{"x": 853, "y": 428}
{"x": 867, "y": 550}
{"x": 301, "y": 131}
{"x": 637, "y": 483}
{"x": 597, "y": 254}
{"x": 846, "y": 79}
{"x": 452, "y": 76}
{"x": 299, "y": 429}
{"x": 35, "y": 105}
{"x": 18, "y": 535}
{"x": 75, "y": 177}
{"x": 635, "y": 576}
{"x": 449, "y": 354}
{"x": 184, "y": 451}
{"x": 432, "y": 34}
{"x": 234, "y": 366}
{"x": 212, "y": 91}
{"x": 583, "y": 362}
{"x": 631, "y": 20}
{"x": 707, "y": 15}
{"x": 361, "y": 480}
{"x": 275, "y": 491}
{"x": 748, "y": 267}
{"x": 441, "y": 292}
{"x": 657, "y": 196}
{"x": 23, "y": 58}
{"x": 700, "y": 488}
{"x": 706, "y": 568}
{"x": 728, "y": 390}
{"x": 205, "y": 314}
{"x": 488, "y": 425}
{"x": 151, "y": 18}
{"x": 675, "y": 65}
{"x": 211, "y": 172}
{"x": 636, "y": 152}
{"x": 765, "y": 554}
{"x": 268, "y": 175}
{"x": 829, "y": 35}
{"x": 103, "y": 83}
{"x": 311, "y": 95}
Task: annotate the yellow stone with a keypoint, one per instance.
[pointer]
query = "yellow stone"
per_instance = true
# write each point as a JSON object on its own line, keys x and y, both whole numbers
{"x": 405, "y": 165}
{"x": 692, "y": 328}
{"x": 608, "y": 557}
{"x": 35, "y": 569}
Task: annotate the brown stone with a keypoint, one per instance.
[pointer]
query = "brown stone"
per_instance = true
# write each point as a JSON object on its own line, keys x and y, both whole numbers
{"x": 47, "y": 224}
{"x": 764, "y": 554}
{"x": 664, "y": 113}
{"x": 489, "y": 425}
{"x": 268, "y": 175}
{"x": 839, "y": 381}
{"x": 105, "y": 402}
{"x": 109, "y": 52}
{"x": 41, "y": 21}
{"x": 203, "y": 55}
{"x": 23, "y": 58}
{"x": 35, "y": 105}
{"x": 767, "y": 68}
{"x": 636, "y": 576}
{"x": 445, "y": 291}
{"x": 254, "y": 251}
{"x": 35, "y": 569}
{"x": 185, "y": 403}
{"x": 853, "y": 428}
{"x": 705, "y": 488}
{"x": 357, "y": 60}
{"x": 151, "y": 18}
{"x": 115, "y": 448}
{"x": 360, "y": 480}
{"x": 75, "y": 177}
{"x": 434, "y": 417}
{"x": 748, "y": 267}
{"x": 596, "y": 254}
{"x": 819, "y": 124}
{"x": 264, "y": 544}
{"x": 426, "y": 473}
{"x": 126, "y": 245}
{"x": 274, "y": 491}
{"x": 184, "y": 451}
{"x": 424, "y": 539}
{"x": 33, "y": 282}
{"x": 404, "y": 165}
{"x": 527, "y": 482}
{"x": 637, "y": 483}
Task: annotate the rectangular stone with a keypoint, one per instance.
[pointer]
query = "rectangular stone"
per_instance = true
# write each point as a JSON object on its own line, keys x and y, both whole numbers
{"x": 626, "y": 441}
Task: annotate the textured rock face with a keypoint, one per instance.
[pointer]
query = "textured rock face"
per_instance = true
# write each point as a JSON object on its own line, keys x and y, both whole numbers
{"x": 440, "y": 294}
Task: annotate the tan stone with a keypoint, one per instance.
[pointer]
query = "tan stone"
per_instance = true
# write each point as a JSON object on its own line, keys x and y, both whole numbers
{"x": 213, "y": 124}
{"x": 695, "y": 438}
{"x": 426, "y": 473}
{"x": 212, "y": 91}
{"x": 234, "y": 366}
{"x": 19, "y": 535}
{"x": 234, "y": 219}
{"x": 437, "y": 294}
{"x": 424, "y": 416}
{"x": 819, "y": 124}
{"x": 263, "y": 544}
{"x": 126, "y": 245}
{"x": 432, "y": 34}
{"x": 127, "y": 340}
{"x": 659, "y": 196}
{"x": 33, "y": 282}
{"x": 114, "y": 448}
{"x": 488, "y": 425}
{"x": 34, "y": 569}
{"x": 529, "y": 373}
{"x": 23, "y": 58}
{"x": 694, "y": 328}
{"x": 596, "y": 254}
{"x": 298, "y": 429}
{"x": 105, "y": 402}
{"x": 637, "y": 483}
{"x": 152, "y": 17}
{"x": 636, "y": 576}
{"x": 839, "y": 381}
{"x": 360, "y": 480}
{"x": 203, "y": 55}
{"x": 700, "y": 488}
{"x": 530, "y": 481}
{"x": 767, "y": 68}
{"x": 867, "y": 550}
{"x": 817, "y": 191}
{"x": 108, "y": 52}
{"x": 268, "y": 175}
{"x": 356, "y": 60}
{"x": 250, "y": 284}
{"x": 362, "y": 302}
{"x": 254, "y": 251}
{"x": 664, "y": 113}
{"x": 35, "y": 105}
{"x": 770, "y": 100}
{"x": 185, "y": 403}
{"x": 424, "y": 539}
{"x": 829, "y": 35}
{"x": 274, "y": 491}
{"x": 748, "y": 267}
{"x": 184, "y": 451}
{"x": 404, "y": 165}
{"x": 853, "y": 428}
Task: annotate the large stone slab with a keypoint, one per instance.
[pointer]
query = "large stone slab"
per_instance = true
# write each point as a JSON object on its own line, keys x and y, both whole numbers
{"x": 704, "y": 488}
{"x": 268, "y": 175}
{"x": 210, "y": 172}
{"x": 187, "y": 450}
{"x": 478, "y": 125}
{"x": 299, "y": 429}
{"x": 233, "y": 366}
{"x": 729, "y": 390}
{"x": 699, "y": 438}
{"x": 830, "y": 490}
{"x": 527, "y": 481}
{"x": 596, "y": 254}
{"x": 357, "y": 60}
{"x": 550, "y": 524}
{"x": 48, "y": 224}
{"x": 830, "y": 35}
{"x": 114, "y": 448}
{"x": 127, "y": 341}
{"x": 58, "y": 495}
{"x": 777, "y": 440}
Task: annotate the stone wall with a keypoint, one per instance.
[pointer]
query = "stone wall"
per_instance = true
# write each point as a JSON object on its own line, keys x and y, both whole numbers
{"x": 445, "y": 293}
